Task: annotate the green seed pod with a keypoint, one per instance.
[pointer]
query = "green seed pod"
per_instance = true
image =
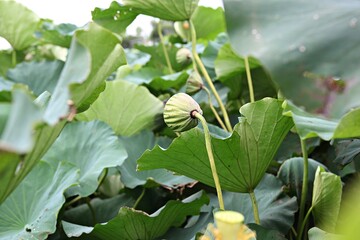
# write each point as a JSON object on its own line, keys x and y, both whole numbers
{"x": 178, "y": 112}
{"x": 194, "y": 83}
{"x": 184, "y": 56}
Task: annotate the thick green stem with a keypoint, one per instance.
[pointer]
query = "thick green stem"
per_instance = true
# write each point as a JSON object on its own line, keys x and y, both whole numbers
{"x": 207, "y": 78}
{"x": 304, "y": 187}
{"x": 162, "y": 41}
{"x": 249, "y": 79}
{"x": 139, "y": 198}
{"x": 255, "y": 207}
{"x": 304, "y": 223}
{"x": 211, "y": 158}
{"x": 214, "y": 110}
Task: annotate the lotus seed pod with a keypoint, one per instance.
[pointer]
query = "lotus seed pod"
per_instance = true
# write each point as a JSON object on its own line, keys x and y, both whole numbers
{"x": 183, "y": 56}
{"x": 178, "y": 112}
{"x": 194, "y": 83}
{"x": 229, "y": 224}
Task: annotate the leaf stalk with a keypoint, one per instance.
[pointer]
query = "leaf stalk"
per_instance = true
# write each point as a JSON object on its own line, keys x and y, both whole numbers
{"x": 207, "y": 78}
{"x": 304, "y": 188}
{"x": 211, "y": 158}
{"x": 255, "y": 207}
{"x": 249, "y": 79}
{"x": 162, "y": 42}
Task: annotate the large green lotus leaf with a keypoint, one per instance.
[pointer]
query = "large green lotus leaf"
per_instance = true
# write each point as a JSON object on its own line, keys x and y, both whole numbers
{"x": 103, "y": 210}
{"x": 326, "y": 199}
{"x": 318, "y": 234}
{"x": 30, "y": 212}
{"x": 59, "y": 35}
{"x": 126, "y": 107}
{"x": 116, "y": 18}
{"x": 17, "y": 24}
{"x": 241, "y": 160}
{"x": 39, "y": 76}
{"x": 292, "y": 40}
{"x": 208, "y": 22}
{"x": 135, "y": 146}
{"x": 133, "y": 224}
{"x": 89, "y": 63}
{"x": 276, "y": 209}
{"x": 90, "y": 147}
{"x": 171, "y": 10}
{"x": 291, "y": 174}
{"x": 155, "y": 79}
{"x": 310, "y": 125}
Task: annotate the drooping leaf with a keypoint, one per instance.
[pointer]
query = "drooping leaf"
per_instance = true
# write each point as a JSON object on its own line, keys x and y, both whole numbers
{"x": 126, "y": 107}
{"x": 17, "y": 24}
{"x": 310, "y": 125}
{"x": 39, "y": 76}
{"x": 276, "y": 209}
{"x": 90, "y": 147}
{"x": 102, "y": 209}
{"x": 24, "y": 115}
{"x": 132, "y": 224}
{"x": 116, "y": 18}
{"x": 135, "y": 146}
{"x": 89, "y": 63}
{"x": 241, "y": 160}
{"x": 30, "y": 212}
{"x": 171, "y": 10}
{"x": 326, "y": 199}
{"x": 291, "y": 174}
{"x": 292, "y": 40}
{"x": 318, "y": 234}
{"x": 208, "y": 22}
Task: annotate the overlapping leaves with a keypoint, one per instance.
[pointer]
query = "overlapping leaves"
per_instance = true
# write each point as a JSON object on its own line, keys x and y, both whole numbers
{"x": 241, "y": 160}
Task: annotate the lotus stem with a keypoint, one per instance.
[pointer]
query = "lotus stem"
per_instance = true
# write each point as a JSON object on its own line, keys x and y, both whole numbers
{"x": 211, "y": 157}
{"x": 255, "y": 207}
{"x": 249, "y": 79}
{"x": 304, "y": 188}
{"x": 162, "y": 42}
{"x": 207, "y": 78}
{"x": 214, "y": 110}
